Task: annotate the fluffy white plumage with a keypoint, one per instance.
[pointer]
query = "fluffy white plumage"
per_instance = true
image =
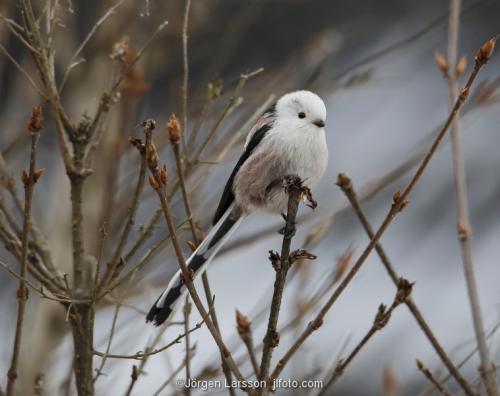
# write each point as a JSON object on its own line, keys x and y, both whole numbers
{"x": 289, "y": 139}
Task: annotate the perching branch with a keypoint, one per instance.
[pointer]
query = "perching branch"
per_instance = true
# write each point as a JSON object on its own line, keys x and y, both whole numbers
{"x": 281, "y": 263}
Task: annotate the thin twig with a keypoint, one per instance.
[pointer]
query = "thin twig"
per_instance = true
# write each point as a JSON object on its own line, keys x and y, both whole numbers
{"x": 29, "y": 180}
{"x": 185, "y": 76}
{"x": 381, "y": 319}
{"x": 187, "y": 359}
{"x": 158, "y": 182}
{"x": 169, "y": 379}
{"x": 398, "y": 204}
{"x": 73, "y": 61}
{"x": 110, "y": 340}
{"x": 142, "y": 355}
{"x": 463, "y": 223}
{"x": 431, "y": 378}
{"x": 23, "y": 71}
{"x": 345, "y": 184}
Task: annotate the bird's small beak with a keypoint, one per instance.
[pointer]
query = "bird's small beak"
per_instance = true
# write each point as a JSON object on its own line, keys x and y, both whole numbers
{"x": 319, "y": 123}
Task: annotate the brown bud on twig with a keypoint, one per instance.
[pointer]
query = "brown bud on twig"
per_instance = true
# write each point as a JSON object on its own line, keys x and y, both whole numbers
{"x": 135, "y": 373}
{"x": 25, "y": 177}
{"x": 301, "y": 254}
{"x": 344, "y": 182}
{"x": 441, "y": 62}
{"x": 405, "y": 288}
{"x": 164, "y": 175}
{"x": 382, "y": 317}
{"x": 396, "y": 200}
{"x": 485, "y": 52}
{"x": 38, "y": 174}
{"x": 152, "y": 155}
{"x": 174, "y": 129}
{"x": 36, "y": 120}
{"x": 463, "y": 229}
{"x": 154, "y": 183}
{"x": 420, "y": 365}
{"x": 461, "y": 67}
{"x": 275, "y": 259}
{"x": 243, "y": 325}
{"x": 22, "y": 293}
{"x": 138, "y": 144}
{"x": 148, "y": 125}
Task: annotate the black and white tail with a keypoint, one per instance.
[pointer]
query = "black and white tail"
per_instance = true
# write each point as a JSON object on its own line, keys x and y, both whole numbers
{"x": 166, "y": 303}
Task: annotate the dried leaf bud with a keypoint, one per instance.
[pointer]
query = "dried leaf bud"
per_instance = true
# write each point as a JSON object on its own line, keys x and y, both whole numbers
{"x": 485, "y": 52}
{"x": 461, "y": 67}
{"x": 152, "y": 155}
{"x": 215, "y": 88}
{"x": 275, "y": 259}
{"x": 404, "y": 290}
{"x": 396, "y": 197}
{"x": 344, "y": 182}
{"x": 25, "y": 178}
{"x": 420, "y": 365}
{"x": 174, "y": 129}
{"x": 243, "y": 325}
{"x": 382, "y": 317}
{"x": 164, "y": 175}
{"x": 463, "y": 229}
{"x": 22, "y": 293}
{"x": 36, "y": 120}
{"x": 39, "y": 173}
{"x": 441, "y": 62}
{"x": 153, "y": 182}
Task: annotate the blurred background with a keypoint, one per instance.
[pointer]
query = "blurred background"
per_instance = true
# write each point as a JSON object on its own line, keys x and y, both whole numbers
{"x": 373, "y": 64}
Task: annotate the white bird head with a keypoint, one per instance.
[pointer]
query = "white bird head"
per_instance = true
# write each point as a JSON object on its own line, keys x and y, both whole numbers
{"x": 302, "y": 108}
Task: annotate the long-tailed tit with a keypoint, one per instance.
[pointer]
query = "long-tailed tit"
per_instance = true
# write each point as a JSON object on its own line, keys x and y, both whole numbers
{"x": 289, "y": 139}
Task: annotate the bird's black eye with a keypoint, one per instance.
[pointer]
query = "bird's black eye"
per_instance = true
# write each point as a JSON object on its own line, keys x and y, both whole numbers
{"x": 302, "y": 115}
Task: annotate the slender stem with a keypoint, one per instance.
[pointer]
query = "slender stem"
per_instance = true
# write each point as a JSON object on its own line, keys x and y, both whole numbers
{"x": 346, "y": 185}
{"x": 187, "y": 359}
{"x": 428, "y": 374}
{"x": 395, "y": 209}
{"x": 381, "y": 319}
{"x": 185, "y": 77}
{"x": 463, "y": 228}
{"x": 271, "y": 339}
{"x": 22, "y": 292}
{"x": 158, "y": 180}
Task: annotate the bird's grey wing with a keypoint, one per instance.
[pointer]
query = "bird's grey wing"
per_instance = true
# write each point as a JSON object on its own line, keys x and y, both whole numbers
{"x": 261, "y": 127}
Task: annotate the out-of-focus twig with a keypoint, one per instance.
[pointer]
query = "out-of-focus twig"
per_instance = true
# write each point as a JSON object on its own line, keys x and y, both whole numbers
{"x": 185, "y": 76}
{"x": 428, "y": 374}
{"x": 345, "y": 184}
{"x": 463, "y": 223}
{"x": 381, "y": 319}
{"x": 29, "y": 180}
